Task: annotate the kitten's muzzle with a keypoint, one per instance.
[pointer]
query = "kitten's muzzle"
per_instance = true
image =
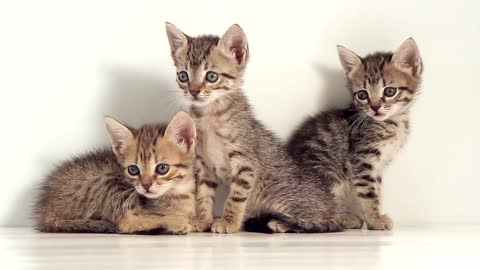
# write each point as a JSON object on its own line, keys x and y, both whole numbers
{"x": 194, "y": 92}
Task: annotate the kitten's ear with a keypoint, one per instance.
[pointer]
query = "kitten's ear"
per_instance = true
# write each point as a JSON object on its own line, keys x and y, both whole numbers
{"x": 182, "y": 132}
{"x": 119, "y": 134}
{"x": 407, "y": 58}
{"x": 176, "y": 38}
{"x": 349, "y": 60}
{"x": 234, "y": 44}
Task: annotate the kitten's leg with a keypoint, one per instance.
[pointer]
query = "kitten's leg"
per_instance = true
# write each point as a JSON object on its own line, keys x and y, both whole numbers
{"x": 349, "y": 220}
{"x": 206, "y": 186}
{"x": 137, "y": 220}
{"x": 240, "y": 189}
{"x": 368, "y": 194}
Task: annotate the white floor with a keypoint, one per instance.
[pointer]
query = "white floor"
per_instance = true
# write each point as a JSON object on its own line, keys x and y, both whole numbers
{"x": 404, "y": 248}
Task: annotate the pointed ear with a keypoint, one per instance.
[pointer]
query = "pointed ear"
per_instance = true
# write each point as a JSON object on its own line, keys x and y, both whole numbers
{"x": 407, "y": 58}
{"x": 349, "y": 60}
{"x": 234, "y": 44}
{"x": 182, "y": 132}
{"x": 177, "y": 39}
{"x": 119, "y": 134}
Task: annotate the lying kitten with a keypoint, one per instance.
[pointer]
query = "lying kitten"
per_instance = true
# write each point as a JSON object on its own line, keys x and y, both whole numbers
{"x": 266, "y": 187}
{"x": 350, "y": 148}
{"x": 145, "y": 183}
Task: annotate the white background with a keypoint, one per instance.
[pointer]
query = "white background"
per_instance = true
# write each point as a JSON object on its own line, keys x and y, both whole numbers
{"x": 65, "y": 64}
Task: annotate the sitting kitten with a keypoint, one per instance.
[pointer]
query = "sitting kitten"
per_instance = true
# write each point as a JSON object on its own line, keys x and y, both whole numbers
{"x": 266, "y": 186}
{"x": 350, "y": 148}
{"x": 145, "y": 183}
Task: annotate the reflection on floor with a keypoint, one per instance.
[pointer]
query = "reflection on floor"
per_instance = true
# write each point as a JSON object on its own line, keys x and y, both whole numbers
{"x": 404, "y": 248}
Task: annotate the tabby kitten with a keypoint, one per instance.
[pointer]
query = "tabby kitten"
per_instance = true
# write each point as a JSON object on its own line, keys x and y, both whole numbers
{"x": 349, "y": 149}
{"x": 266, "y": 187}
{"x": 145, "y": 183}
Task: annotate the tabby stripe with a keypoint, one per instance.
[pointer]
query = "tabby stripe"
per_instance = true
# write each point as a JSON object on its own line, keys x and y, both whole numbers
{"x": 242, "y": 183}
{"x": 239, "y": 199}
{"x": 244, "y": 169}
{"x": 368, "y": 195}
{"x": 228, "y": 76}
{"x": 179, "y": 196}
{"x": 180, "y": 165}
{"x": 406, "y": 89}
{"x": 234, "y": 153}
{"x": 361, "y": 184}
{"x": 368, "y": 178}
{"x": 180, "y": 176}
{"x": 209, "y": 183}
{"x": 366, "y": 166}
{"x": 391, "y": 122}
{"x": 405, "y": 100}
{"x": 379, "y": 179}
{"x": 371, "y": 151}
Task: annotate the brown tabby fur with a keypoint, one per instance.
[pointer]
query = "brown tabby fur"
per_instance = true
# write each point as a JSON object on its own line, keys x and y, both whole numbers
{"x": 349, "y": 149}
{"x": 95, "y": 193}
{"x": 267, "y": 189}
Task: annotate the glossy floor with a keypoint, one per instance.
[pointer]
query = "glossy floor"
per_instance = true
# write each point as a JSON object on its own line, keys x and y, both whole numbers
{"x": 404, "y": 248}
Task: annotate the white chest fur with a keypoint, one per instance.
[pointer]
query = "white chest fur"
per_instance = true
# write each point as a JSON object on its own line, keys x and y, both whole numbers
{"x": 390, "y": 148}
{"x": 212, "y": 146}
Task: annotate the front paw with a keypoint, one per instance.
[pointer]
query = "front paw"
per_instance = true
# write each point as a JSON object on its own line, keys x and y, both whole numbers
{"x": 179, "y": 227}
{"x": 201, "y": 225}
{"x": 222, "y": 225}
{"x": 126, "y": 223}
{"x": 382, "y": 222}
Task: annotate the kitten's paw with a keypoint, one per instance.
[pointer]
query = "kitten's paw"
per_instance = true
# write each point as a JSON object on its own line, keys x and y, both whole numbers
{"x": 223, "y": 226}
{"x": 181, "y": 228}
{"x": 277, "y": 226}
{"x": 201, "y": 225}
{"x": 383, "y": 222}
{"x": 126, "y": 223}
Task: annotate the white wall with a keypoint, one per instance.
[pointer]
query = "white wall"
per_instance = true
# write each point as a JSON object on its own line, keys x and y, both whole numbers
{"x": 64, "y": 65}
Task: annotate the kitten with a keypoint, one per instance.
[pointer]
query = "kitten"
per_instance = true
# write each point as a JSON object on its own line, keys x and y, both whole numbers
{"x": 145, "y": 183}
{"x": 266, "y": 187}
{"x": 350, "y": 148}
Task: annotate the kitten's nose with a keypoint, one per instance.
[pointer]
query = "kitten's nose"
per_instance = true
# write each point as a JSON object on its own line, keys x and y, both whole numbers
{"x": 194, "y": 93}
{"x": 375, "y": 108}
{"x": 146, "y": 186}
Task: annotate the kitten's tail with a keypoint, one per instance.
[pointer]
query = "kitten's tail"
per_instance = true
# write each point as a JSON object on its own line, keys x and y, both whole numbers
{"x": 78, "y": 226}
{"x": 263, "y": 224}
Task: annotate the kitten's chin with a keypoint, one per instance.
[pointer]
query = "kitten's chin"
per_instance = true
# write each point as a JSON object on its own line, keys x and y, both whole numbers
{"x": 379, "y": 117}
{"x": 154, "y": 192}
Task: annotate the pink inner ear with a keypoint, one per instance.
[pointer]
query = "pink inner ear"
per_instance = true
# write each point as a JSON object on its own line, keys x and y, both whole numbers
{"x": 184, "y": 136}
{"x": 238, "y": 50}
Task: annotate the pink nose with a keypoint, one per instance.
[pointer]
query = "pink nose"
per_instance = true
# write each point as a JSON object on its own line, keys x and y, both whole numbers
{"x": 194, "y": 92}
{"x": 146, "y": 186}
{"x": 375, "y": 108}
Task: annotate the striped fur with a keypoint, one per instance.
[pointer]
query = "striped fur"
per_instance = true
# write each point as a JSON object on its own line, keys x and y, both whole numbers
{"x": 94, "y": 193}
{"x": 238, "y": 150}
{"x": 349, "y": 149}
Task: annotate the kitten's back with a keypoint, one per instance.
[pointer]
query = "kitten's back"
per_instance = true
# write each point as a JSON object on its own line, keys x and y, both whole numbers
{"x": 75, "y": 189}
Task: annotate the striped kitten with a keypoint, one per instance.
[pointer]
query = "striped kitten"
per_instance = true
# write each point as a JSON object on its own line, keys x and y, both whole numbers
{"x": 349, "y": 149}
{"x": 266, "y": 187}
{"x": 145, "y": 183}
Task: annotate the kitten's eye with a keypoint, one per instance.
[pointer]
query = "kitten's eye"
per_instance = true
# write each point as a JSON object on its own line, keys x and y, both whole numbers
{"x": 212, "y": 76}
{"x": 162, "y": 168}
{"x": 390, "y": 91}
{"x": 182, "y": 76}
{"x": 362, "y": 95}
{"x": 133, "y": 170}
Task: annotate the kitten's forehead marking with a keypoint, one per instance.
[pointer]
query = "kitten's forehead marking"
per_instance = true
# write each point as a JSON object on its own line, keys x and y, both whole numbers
{"x": 199, "y": 49}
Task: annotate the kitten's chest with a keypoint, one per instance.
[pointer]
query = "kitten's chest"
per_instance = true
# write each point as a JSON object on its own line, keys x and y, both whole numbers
{"x": 213, "y": 146}
{"x": 390, "y": 147}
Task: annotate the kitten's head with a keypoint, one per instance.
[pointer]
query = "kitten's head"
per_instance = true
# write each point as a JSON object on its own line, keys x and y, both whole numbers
{"x": 208, "y": 67}
{"x": 383, "y": 84}
{"x": 155, "y": 158}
